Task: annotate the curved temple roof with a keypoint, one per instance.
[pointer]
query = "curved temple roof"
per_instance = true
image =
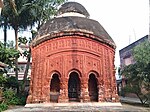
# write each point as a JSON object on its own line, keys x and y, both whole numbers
{"x": 72, "y": 7}
{"x": 72, "y": 24}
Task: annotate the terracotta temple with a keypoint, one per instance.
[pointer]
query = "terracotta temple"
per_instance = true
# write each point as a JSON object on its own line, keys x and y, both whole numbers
{"x": 72, "y": 60}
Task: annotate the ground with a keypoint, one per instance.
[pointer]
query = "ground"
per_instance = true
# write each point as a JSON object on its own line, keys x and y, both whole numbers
{"x": 74, "y": 107}
{"x": 123, "y": 108}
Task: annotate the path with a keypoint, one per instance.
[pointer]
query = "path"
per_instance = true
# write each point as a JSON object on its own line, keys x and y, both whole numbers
{"x": 123, "y": 108}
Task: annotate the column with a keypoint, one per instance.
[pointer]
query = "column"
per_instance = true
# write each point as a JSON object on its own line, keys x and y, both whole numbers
{"x": 100, "y": 92}
{"x": 63, "y": 97}
{"x": 115, "y": 97}
{"x": 84, "y": 90}
{"x": 46, "y": 90}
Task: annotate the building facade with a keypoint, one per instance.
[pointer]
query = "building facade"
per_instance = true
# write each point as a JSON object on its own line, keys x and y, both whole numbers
{"x": 126, "y": 56}
{"x": 72, "y": 60}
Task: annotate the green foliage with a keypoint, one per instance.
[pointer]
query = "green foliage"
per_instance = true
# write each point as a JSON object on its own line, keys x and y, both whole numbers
{"x": 3, "y": 106}
{"x": 8, "y": 82}
{"x": 22, "y": 99}
{"x": 2, "y": 80}
{"x": 132, "y": 89}
{"x": 7, "y": 54}
{"x": 10, "y": 98}
{"x": 44, "y": 10}
{"x": 35, "y": 11}
{"x": 141, "y": 53}
{"x": 142, "y": 57}
{"x": 11, "y": 82}
{"x": 8, "y": 95}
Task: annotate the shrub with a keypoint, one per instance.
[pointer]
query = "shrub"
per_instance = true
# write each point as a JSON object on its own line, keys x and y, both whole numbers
{"x": 3, "y": 106}
{"x": 22, "y": 100}
{"x": 11, "y": 82}
{"x": 10, "y": 97}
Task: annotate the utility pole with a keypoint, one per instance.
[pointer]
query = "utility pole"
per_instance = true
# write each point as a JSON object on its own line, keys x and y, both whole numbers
{"x": 134, "y": 34}
{"x": 129, "y": 39}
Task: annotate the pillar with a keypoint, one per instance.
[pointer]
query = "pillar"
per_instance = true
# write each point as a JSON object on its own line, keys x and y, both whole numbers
{"x": 115, "y": 97}
{"x": 84, "y": 90}
{"x": 46, "y": 90}
{"x": 63, "y": 96}
{"x": 100, "y": 93}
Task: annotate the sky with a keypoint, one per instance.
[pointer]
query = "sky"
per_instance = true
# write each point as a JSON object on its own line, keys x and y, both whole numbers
{"x": 125, "y": 20}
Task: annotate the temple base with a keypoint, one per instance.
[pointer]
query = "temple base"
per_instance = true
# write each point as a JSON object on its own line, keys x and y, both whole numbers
{"x": 93, "y": 104}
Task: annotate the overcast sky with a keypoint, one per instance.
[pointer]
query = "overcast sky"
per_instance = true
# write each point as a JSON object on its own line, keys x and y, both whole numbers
{"x": 124, "y": 20}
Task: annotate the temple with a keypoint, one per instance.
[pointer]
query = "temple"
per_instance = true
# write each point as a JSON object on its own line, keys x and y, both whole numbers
{"x": 72, "y": 60}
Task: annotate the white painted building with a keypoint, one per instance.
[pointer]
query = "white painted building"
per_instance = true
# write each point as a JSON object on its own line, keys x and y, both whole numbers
{"x": 22, "y": 61}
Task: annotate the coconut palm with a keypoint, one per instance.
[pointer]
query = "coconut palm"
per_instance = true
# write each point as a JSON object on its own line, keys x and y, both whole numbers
{"x": 19, "y": 16}
{"x": 4, "y": 25}
{"x": 45, "y": 10}
{"x": 24, "y": 13}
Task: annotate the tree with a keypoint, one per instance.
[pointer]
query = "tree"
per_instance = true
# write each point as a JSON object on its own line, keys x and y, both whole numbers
{"x": 19, "y": 17}
{"x": 142, "y": 57}
{"x": 24, "y": 13}
{"x": 43, "y": 10}
{"x": 27, "y": 54}
{"x": 4, "y": 24}
{"x": 134, "y": 81}
{"x": 138, "y": 74}
{"x": 7, "y": 54}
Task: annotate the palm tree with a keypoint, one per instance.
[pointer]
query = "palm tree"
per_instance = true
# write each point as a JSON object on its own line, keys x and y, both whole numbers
{"x": 24, "y": 13}
{"x": 4, "y": 24}
{"x": 19, "y": 16}
{"x": 44, "y": 10}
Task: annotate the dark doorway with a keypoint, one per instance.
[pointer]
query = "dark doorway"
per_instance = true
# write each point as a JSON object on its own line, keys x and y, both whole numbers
{"x": 92, "y": 87}
{"x": 54, "y": 88}
{"x": 74, "y": 87}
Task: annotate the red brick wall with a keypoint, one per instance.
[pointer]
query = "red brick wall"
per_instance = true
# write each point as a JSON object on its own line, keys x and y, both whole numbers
{"x": 72, "y": 53}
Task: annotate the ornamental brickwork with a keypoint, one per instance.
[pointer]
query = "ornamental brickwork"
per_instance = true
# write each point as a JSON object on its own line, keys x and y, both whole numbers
{"x": 72, "y": 60}
{"x": 77, "y": 55}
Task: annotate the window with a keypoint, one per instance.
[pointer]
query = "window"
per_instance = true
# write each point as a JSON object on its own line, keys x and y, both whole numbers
{"x": 127, "y": 61}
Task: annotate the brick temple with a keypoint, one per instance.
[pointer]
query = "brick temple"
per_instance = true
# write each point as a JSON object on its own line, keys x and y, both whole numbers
{"x": 72, "y": 60}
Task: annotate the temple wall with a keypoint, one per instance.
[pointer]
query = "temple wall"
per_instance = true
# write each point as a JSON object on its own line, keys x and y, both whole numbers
{"x": 72, "y": 53}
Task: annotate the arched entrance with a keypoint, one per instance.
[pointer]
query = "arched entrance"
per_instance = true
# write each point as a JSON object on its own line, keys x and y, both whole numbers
{"x": 74, "y": 87}
{"x": 54, "y": 88}
{"x": 92, "y": 88}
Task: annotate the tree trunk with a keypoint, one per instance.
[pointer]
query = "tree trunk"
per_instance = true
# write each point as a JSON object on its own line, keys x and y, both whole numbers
{"x": 5, "y": 34}
{"x": 140, "y": 98}
{"x": 16, "y": 58}
{"x": 26, "y": 71}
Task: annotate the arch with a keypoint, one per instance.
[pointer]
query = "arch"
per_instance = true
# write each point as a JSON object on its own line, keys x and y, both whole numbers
{"x": 54, "y": 87}
{"x": 94, "y": 72}
{"x": 74, "y": 87}
{"x": 55, "y": 72}
{"x": 75, "y": 70}
{"x": 93, "y": 87}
